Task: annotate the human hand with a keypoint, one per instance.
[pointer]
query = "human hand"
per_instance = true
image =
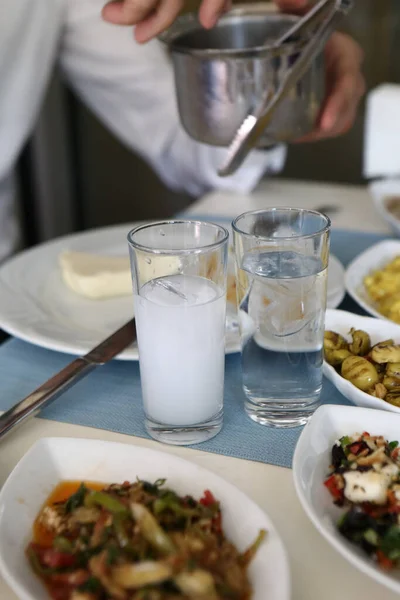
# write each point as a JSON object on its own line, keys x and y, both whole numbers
{"x": 151, "y": 17}
{"x": 345, "y": 84}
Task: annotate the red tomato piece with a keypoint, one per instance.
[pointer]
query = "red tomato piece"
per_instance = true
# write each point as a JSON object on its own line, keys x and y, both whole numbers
{"x": 355, "y": 448}
{"x": 331, "y": 484}
{"x": 208, "y": 499}
{"x": 384, "y": 561}
{"x": 60, "y": 592}
{"x": 56, "y": 560}
{"x": 395, "y": 453}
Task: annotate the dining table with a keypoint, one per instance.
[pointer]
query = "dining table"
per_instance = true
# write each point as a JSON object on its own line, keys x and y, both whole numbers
{"x": 318, "y": 572}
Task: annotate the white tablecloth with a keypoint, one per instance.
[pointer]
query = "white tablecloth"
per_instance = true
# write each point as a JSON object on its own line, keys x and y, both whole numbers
{"x": 351, "y": 207}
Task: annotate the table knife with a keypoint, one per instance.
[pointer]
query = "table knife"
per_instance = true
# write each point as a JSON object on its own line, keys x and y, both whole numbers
{"x": 67, "y": 377}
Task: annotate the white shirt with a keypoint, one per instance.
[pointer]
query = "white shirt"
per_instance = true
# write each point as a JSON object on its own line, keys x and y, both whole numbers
{"x": 129, "y": 86}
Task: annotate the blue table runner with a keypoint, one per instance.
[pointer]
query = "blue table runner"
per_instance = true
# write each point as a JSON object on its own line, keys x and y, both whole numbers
{"x": 110, "y": 397}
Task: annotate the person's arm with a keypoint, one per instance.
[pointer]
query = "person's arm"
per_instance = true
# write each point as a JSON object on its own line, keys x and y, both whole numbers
{"x": 131, "y": 88}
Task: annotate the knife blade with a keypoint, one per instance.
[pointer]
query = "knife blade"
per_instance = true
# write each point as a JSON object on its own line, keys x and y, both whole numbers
{"x": 67, "y": 377}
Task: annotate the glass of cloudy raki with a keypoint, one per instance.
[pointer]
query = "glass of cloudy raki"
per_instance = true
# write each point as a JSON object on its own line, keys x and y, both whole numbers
{"x": 179, "y": 284}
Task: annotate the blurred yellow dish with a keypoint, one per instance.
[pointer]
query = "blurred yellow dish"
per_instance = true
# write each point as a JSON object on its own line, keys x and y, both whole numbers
{"x": 383, "y": 286}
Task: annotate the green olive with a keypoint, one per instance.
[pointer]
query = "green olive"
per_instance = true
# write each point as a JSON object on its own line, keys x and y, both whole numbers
{"x": 393, "y": 399}
{"x": 391, "y": 383}
{"x": 360, "y": 372}
{"x": 361, "y": 343}
{"x": 393, "y": 370}
{"x": 385, "y": 354}
{"x": 384, "y": 343}
{"x": 334, "y": 341}
{"x": 336, "y": 357}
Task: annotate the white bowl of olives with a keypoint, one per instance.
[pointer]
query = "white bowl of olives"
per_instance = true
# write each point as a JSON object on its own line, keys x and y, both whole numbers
{"x": 362, "y": 359}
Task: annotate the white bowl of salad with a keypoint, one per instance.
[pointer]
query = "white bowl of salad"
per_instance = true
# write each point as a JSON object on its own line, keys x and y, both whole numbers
{"x": 346, "y": 471}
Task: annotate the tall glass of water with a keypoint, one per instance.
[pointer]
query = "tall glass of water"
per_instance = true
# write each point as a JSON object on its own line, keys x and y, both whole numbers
{"x": 281, "y": 259}
{"x": 179, "y": 284}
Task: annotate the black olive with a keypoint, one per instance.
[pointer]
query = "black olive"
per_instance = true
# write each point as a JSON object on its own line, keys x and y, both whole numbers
{"x": 355, "y": 521}
{"x": 190, "y": 502}
{"x": 150, "y": 488}
{"x": 368, "y": 548}
{"x": 384, "y": 523}
{"x": 338, "y": 456}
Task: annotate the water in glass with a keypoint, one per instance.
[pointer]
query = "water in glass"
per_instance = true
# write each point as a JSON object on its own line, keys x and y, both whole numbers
{"x": 282, "y": 297}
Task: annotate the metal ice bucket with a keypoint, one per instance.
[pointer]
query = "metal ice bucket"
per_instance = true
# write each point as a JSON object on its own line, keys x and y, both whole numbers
{"x": 223, "y": 73}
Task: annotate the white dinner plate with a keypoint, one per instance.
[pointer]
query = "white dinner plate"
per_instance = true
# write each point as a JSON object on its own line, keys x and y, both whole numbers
{"x": 36, "y": 306}
{"x": 379, "y": 330}
{"x": 311, "y": 462}
{"x": 52, "y": 460}
{"x": 376, "y": 257}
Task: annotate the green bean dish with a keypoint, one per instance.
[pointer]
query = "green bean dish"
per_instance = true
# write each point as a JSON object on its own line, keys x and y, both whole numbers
{"x": 136, "y": 541}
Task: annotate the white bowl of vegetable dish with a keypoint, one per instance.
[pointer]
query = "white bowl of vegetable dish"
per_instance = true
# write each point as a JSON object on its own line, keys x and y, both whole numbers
{"x": 93, "y": 520}
{"x": 362, "y": 359}
{"x": 346, "y": 472}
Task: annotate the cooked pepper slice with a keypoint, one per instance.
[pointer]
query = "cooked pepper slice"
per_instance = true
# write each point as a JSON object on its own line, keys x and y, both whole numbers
{"x": 145, "y": 573}
{"x": 384, "y": 561}
{"x": 120, "y": 530}
{"x": 76, "y": 499}
{"x": 249, "y": 554}
{"x": 171, "y": 502}
{"x": 62, "y": 544}
{"x": 151, "y": 530}
{"x": 35, "y": 563}
{"x": 107, "y": 502}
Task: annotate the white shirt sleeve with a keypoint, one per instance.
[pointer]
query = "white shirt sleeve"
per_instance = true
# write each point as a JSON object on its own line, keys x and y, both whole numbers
{"x": 130, "y": 87}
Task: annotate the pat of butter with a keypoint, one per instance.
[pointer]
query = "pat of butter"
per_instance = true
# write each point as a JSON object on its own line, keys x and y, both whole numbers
{"x": 153, "y": 267}
{"x": 94, "y": 276}
{"x": 97, "y": 277}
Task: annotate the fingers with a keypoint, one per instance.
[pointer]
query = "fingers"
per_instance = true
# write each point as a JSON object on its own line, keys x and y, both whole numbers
{"x": 162, "y": 18}
{"x": 155, "y": 16}
{"x": 340, "y": 112}
{"x": 211, "y": 10}
{"x": 345, "y": 88}
{"x": 128, "y": 12}
{"x": 345, "y": 84}
{"x": 341, "y": 107}
{"x": 151, "y": 17}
